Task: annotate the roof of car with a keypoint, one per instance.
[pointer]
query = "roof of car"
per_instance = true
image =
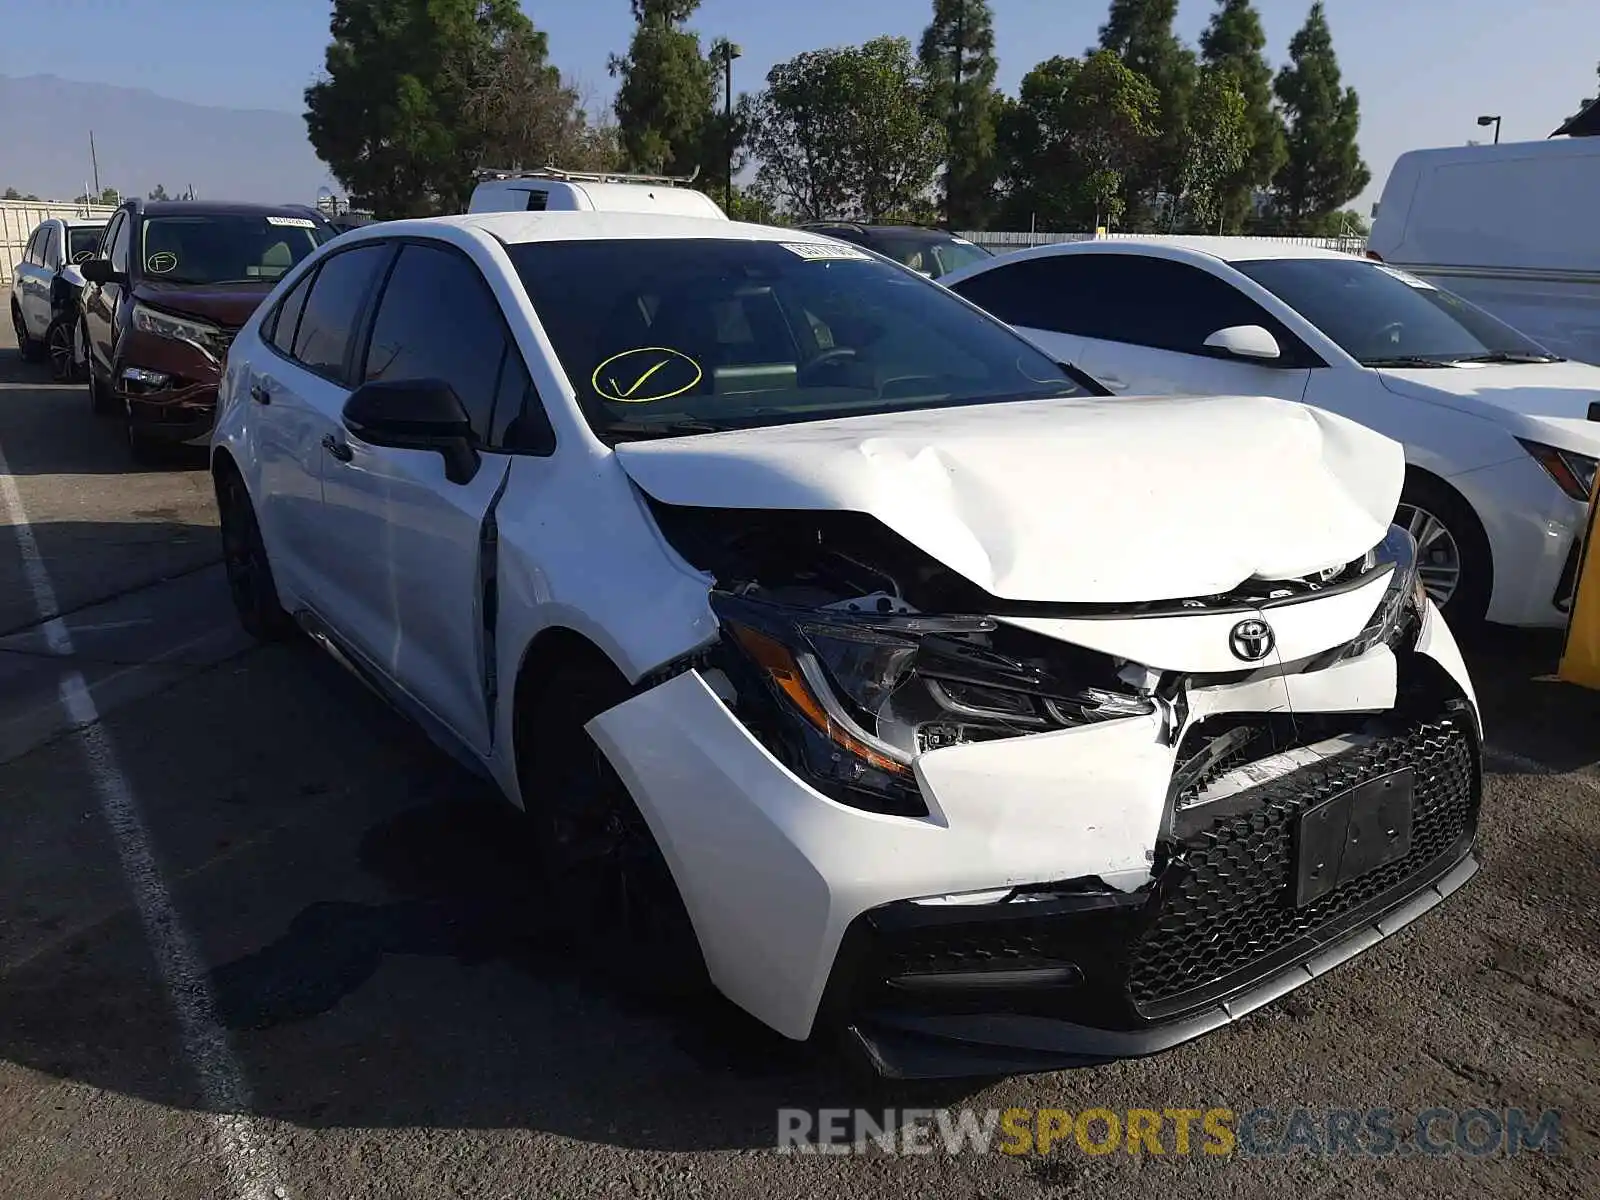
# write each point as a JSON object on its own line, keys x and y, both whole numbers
{"x": 1224, "y": 249}
{"x": 216, "y": 208}
{"x": 518, "y": 227}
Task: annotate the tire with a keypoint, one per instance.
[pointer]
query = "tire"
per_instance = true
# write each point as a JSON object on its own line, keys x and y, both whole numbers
{"x": 612, "y": 893}
{"x": 1449, "y": 535}
{"x": 30, "y": 349}
{"x": 244, "y": 558}
{"x": 60, "y": 345}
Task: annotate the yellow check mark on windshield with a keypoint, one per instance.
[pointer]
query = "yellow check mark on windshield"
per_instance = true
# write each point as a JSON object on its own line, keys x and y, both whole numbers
{"x": 637, "y": 384}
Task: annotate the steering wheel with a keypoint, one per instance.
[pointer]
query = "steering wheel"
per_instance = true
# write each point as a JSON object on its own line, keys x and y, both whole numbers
{"x": 831, "y": 357}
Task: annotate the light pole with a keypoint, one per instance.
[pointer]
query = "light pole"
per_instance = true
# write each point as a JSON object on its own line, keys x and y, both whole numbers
{"x": 726, "y": 52}
{"x": 1495, "y": 121}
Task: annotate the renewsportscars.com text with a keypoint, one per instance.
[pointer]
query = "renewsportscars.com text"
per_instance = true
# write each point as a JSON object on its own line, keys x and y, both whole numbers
{"x": 1213, "y": 1131}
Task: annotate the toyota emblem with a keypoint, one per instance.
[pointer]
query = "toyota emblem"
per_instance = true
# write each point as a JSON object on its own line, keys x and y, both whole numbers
{"x": 1251, "y": 640}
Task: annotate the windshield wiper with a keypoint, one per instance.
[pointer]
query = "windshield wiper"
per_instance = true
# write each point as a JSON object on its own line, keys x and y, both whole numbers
{"x": 1507, "y": 356}
{"x": 633, "y": 430}
{"x": 1408, "y": 360}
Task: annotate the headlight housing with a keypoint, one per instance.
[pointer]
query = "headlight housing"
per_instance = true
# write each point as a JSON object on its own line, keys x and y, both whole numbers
{"x": 1573, "y": 472}
{"x": 207, "y": 338}
{"x": 859, "y": 695}
{"x": 1400, "y": 611}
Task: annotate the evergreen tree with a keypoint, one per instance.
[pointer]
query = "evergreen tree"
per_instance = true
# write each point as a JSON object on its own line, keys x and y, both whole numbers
{"x": 665, "y": 103}
{"x": 1139, "y": 32}
{"x": 958, "y": 69}
{"x": 1235, "y": 42}
{"x": 1324, "y": 169}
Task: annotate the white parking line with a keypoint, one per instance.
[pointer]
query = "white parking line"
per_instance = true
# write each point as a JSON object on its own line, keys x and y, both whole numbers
{"x": 249, "y": 1166}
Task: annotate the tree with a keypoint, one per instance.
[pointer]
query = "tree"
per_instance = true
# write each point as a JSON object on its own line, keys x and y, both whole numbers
{"x": 108, "y": 197}
{"x": 846, "y": 133}
{"x": 526, "y": 114}
{"x": 1215, "y": 146}
{"x": 400, "y": 115}
{"x": 11, "y": 193}
{"x": 1235, "y": 42}
{"x": 1076, "y": 132}
{"x": 1139, "y": 32}
{"x": 1323, "y": 169}
{"x": 665, "y": 102}
{"x": 160, "y": 192}
{"x": 958, "y": 68}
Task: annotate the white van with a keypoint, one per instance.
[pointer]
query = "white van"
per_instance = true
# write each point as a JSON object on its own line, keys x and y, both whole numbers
{"x": 549, "y": 189}
{"x": 1515, "y": 228}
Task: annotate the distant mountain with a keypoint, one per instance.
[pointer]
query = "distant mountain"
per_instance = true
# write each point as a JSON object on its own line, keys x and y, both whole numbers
{"x": 143, "y": 139}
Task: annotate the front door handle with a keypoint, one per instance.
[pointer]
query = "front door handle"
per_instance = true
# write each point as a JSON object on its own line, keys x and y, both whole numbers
{"x": 338, "y": 449}
{"x": 260, "y": 392}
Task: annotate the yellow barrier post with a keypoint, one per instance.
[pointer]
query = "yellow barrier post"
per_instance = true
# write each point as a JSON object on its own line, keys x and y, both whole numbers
{"x": 1580, "y": 661}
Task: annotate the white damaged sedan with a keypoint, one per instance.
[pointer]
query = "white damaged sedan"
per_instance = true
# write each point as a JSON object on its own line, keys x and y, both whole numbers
{"x": 845, "y": 649}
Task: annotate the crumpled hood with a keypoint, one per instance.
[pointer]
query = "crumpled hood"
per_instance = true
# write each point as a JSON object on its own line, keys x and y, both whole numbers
{"x": 228, "y": 305}
{"x": 1070, "y": 500}
{"x": 1548, "y": 402}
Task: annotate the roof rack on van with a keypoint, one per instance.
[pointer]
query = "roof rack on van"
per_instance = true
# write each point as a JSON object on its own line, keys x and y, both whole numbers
{"x": 581, "y": 176}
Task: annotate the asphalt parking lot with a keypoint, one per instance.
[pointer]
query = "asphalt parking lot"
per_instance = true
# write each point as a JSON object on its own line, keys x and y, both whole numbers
{"x": 257, "y": 938}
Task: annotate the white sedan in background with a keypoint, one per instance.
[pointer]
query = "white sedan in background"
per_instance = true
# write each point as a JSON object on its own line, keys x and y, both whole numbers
{"x": 843, "y": 648}
{"x": 1501, "y": 436}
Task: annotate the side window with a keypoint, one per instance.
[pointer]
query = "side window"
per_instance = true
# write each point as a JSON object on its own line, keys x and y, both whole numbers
{"x": 538, "y": 201}
{"x": 285, "y": 319}
{"x": 519, "y": 421}
{"x": 118, "y": 252}
{"x": 333, "y": 308}
{"x": 1170, "y": 305}
{"x": 439, "y": 320}
{"x": 1039, "y": 293}
{"x": 30, "y": 253}
{"x": 50, "y": 254}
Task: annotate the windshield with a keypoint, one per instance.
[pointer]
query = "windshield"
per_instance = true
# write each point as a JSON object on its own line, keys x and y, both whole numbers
{"x": 1381, "y": 316}
{"x": 227, "y": 248}
{"x": 662, "y": 337}
{"x": 933, "y": 258}
{"x": 83, "y": 241}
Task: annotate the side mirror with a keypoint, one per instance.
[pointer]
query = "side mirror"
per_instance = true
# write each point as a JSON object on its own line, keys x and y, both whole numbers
{"x": 415, "y": 414}
{"x": 1245, "y": 341}
{"x": 99, "y": 270}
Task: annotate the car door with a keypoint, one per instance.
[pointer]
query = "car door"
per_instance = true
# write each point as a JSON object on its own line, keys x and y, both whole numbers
{"x": 298, "y": 386}
{"x": 34, "y": 274}
{"x": 103, "y": 301}
{"x": 420, "y": 612}
{"x": 1146, "y": 323}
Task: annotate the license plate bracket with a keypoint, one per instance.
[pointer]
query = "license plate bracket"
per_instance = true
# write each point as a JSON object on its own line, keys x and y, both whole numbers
{"x": 1347, "y": 835}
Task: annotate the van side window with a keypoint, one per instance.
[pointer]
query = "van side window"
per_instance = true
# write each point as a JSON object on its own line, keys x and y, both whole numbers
{"x": 538, "y": 201}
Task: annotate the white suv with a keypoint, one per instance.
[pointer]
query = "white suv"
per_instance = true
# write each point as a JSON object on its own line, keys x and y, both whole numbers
{"x": 839, "y": 646}
{"x": 46, "y": 285}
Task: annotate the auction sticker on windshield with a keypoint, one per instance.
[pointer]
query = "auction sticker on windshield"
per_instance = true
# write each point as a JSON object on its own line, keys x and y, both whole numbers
{"x": 646, "y": 375}
{"x": 820, "y": 251}
{"x": 293, "y": 222}
{"x": 1422, "y": 285}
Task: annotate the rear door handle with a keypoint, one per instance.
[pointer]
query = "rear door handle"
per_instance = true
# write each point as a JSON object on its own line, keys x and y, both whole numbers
{"x": 338, "y": 449}
{"x": 260, "y": 392}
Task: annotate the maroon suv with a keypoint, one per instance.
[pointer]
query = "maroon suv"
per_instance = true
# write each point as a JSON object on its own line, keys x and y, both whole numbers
{"x": 172, "y": 283}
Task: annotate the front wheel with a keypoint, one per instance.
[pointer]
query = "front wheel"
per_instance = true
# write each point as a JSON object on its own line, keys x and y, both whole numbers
{"x": 611, "y": 889}
{"x": 1452, "y": 550}
{"x": 60, "y": 342}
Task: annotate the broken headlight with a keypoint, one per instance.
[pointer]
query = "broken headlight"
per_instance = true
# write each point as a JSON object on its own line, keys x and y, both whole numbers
{"x": 862, "y": 694}
{"x": 1399, "y": 613}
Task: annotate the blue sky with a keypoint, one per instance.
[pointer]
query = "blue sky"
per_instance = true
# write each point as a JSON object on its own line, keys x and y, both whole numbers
{"x": 1425, "y": 68}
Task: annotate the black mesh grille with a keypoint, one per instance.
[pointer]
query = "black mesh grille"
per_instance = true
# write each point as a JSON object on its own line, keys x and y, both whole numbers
{"x": 1228, "y": 907}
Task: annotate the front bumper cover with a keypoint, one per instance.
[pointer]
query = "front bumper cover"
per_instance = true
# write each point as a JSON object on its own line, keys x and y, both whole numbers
{"x": 775, "y": 875}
